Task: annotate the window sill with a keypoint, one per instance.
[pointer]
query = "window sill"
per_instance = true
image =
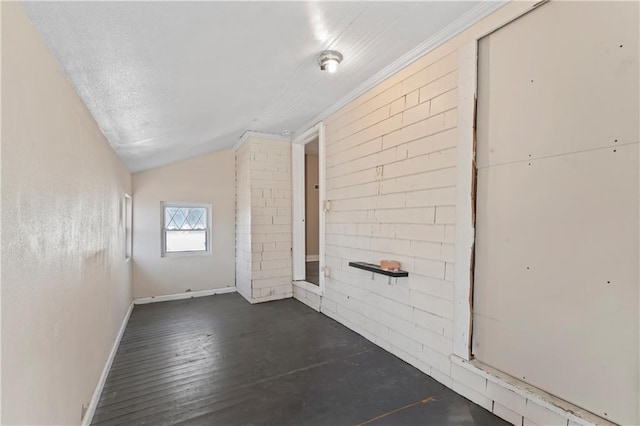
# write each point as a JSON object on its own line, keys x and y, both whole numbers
{"x": 186, "y": 254}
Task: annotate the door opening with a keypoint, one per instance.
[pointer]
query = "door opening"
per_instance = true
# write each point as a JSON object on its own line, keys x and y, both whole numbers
{"x": 312, "y": 213}
{"x": 307, "y": 151}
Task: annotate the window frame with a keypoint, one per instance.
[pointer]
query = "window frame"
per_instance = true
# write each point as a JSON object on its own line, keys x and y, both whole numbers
{"x": 163, "y": 230}
{"x": 127, "y": 219}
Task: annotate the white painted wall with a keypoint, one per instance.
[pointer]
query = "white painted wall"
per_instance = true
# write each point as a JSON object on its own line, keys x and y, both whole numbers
{"x": 243, "y": 220}
{"x": 271, "y": 237}
{"x": 205, "y": 179}
{"x": 264, "y": 175}
{"x": 65, "y": 284}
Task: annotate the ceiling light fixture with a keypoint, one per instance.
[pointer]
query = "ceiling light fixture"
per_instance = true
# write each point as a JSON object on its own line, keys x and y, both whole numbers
{"x": 329, "y": 60}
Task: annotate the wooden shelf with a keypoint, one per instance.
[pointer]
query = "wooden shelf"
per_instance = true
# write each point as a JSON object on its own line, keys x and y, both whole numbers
{"x": 377, "y": 270}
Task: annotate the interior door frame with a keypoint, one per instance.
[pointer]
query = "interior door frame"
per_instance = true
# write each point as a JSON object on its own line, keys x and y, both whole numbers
{"x": 298, "y": 187}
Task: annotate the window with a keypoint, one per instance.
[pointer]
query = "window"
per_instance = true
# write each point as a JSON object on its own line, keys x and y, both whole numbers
{"x": 127, "y": 226}
{"x": 185, "y": 228}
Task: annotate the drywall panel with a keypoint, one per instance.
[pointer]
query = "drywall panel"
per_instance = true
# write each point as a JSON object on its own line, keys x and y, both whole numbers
{"x": 575, "y": 83}
{"x": 556, "y": 275}
{"x": 66, "y": 286}
{"x": 206, "y": 179}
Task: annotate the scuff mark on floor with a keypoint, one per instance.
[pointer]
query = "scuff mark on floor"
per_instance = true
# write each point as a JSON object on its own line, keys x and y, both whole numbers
{"x": 404, "y": 407}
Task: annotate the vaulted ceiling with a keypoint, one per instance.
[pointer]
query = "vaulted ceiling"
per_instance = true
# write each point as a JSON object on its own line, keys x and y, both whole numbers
{"x": 166, "y": 81}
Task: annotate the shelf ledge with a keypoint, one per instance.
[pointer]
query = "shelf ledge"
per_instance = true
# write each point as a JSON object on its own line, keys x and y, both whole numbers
{"x": 377, "y": 270}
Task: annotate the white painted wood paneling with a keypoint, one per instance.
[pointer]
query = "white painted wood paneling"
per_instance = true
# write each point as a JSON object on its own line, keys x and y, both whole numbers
{"x": 556, "y": 276}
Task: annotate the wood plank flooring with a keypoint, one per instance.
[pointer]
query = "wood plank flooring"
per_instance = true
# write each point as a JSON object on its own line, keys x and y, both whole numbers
{"x": 220, "y": 361}
{"x": 312, "y": 272}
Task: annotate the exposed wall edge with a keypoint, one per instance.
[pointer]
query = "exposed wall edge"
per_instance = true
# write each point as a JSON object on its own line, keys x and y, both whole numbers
{"x": 253, "y": 134}
{"x": 307, "y": 286}
{"x": 187, "y": 295}
{"x": 480, "y": 11}
{"x": 552, "y": 403}
{"x": 93, "y": 404}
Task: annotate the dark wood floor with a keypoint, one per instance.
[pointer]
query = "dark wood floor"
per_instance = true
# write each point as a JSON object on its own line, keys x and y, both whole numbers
{"x": 312, "y": 272}
{"x": 220, "y": 361}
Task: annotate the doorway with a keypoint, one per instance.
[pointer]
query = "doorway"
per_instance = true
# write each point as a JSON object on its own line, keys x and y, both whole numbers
{"x": 312, "y": 213}
{"x": 308, "y": 212}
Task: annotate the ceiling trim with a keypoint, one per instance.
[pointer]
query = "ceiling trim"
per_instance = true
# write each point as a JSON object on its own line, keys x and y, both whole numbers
{"x": 260, "y": 135}
{"x": 308, "y": 135}
{"x": 484, "y": 8}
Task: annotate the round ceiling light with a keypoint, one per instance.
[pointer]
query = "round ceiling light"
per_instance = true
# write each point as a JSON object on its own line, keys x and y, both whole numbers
{"x": 329, "y": 60}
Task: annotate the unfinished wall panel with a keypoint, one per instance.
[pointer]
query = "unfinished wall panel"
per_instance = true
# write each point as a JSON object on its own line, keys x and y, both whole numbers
{"x": 556, "y": 276}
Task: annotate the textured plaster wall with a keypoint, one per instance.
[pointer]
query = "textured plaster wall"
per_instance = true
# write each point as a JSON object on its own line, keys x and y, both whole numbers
{"x": 205, "y": 179}
{"x": 65, "y": 284}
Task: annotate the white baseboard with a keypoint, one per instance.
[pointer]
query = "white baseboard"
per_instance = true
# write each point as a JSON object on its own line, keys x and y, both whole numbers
{"x": 180, "y": 296}
{"x": 551, "y": 403}
{"x": 93, "y": 404}
{"x": 313, "y": 258}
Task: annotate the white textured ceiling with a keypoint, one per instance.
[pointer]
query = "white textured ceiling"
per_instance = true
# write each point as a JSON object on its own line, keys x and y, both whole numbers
{"x": 167, "y": 81}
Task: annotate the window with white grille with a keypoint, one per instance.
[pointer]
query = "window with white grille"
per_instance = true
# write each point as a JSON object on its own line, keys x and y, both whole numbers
{"x": 185, "y": 228}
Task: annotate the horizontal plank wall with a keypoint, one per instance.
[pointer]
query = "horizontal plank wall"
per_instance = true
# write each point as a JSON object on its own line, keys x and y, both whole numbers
{"x": 263, "y": 213}
{"x": 392, "y": 180}
{"x": 271, "y": 219}
{"x": 243, "y": 221}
